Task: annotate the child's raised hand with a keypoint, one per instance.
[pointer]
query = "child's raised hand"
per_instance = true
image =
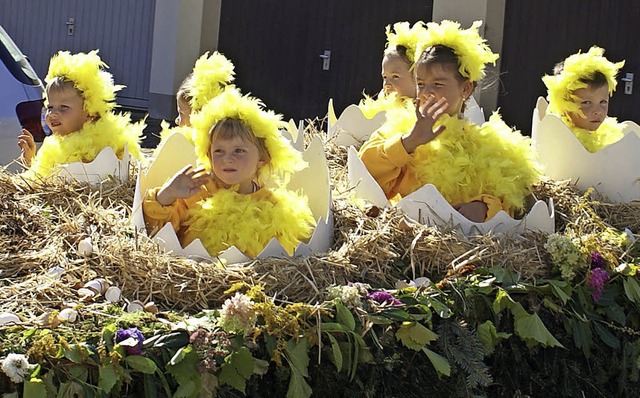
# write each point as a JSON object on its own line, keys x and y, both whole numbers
{"x": 27, "y": 145}
{"x": 183, "y": 185}
{"x": 475, "y": 211}
{"x": 428, "y": 111}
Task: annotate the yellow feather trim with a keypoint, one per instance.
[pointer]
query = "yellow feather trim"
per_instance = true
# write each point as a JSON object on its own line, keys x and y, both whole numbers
{"x": 211, "y": 74}
{"x": 263, "y": 123}
{"x": 561, "y": 87}
{"x": 467, "y": 160}
{"x": 610, "y": 131}
{"x": 472, "y": 51}
{"x": 407, "y": 36}
{"x": 249, "y": 222}
{"x": 87, "y": 73}
{"x": 110, "y": 130}
{"x": 371, "y": 107}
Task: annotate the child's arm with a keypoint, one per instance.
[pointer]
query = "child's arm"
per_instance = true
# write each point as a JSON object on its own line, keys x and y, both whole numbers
{"x": 27, "y": 145}
{"x": 170, "y": 202}
{"x": 386, "y": 158}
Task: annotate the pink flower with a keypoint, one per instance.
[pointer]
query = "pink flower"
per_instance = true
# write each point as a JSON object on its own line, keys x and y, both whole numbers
{"x": 597, "y": 280}
{"x": 383, "y": 297}
{"x": 596, "y": 260}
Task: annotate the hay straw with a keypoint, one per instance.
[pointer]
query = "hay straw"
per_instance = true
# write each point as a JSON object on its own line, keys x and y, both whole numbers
{"x": 42, "y": 223}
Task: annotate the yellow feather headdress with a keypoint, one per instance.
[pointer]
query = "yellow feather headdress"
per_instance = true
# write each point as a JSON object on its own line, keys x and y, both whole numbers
{"x": 263, "y": 123}
{"x": 406, "y": 36}
{"x": 561, "y": 87}
{"x": 88, "y": 74}
{"x": 472, "y": 51}
{"x": 211, "y": 74}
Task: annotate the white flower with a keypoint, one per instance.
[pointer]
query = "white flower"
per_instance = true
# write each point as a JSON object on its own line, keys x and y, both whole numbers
{"x": 237, "y": 314}
{"x": 16, "y": 367}
{"x": 349, "y": 294}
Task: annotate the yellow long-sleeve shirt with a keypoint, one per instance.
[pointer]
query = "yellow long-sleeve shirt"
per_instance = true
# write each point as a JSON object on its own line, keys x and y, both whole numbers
{"x": 222, "y": 218}
{"x": 466, "y": 163}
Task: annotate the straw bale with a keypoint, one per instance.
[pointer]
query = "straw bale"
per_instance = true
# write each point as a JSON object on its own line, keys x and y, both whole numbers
{"x": 41, "y": 224}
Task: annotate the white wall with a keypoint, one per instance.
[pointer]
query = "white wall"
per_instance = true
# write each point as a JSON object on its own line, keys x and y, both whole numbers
{"x": 183, "y": 30}
{"x": 491, "y": 12}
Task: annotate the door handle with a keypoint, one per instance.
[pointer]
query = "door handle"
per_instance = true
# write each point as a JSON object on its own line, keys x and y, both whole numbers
{"x": 326, "y": 59}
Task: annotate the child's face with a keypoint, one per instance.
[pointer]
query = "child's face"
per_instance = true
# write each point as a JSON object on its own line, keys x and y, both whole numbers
{"x": 594, "y": 104}
{"x": 184, "y": 112}
{"x": 235, "y": 161}
{"x": 441, "y": 81}
{"x": 65, "y": 113}
{"x": 396, "y": 77}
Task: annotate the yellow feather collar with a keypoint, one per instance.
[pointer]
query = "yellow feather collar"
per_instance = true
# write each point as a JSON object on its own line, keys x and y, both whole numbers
{"x": 249, "y": 222}
{"x": 467, "y": 160}
{"x": 610, "y": 131}
{"x": 110, "y": 130}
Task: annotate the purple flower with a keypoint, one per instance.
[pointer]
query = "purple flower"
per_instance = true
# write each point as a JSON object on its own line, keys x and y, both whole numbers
{"x": 597, "y": 261}
{"x": 131, "y": 339}
{"x": 382, "y": 297}
{"x": 597, "y": 281}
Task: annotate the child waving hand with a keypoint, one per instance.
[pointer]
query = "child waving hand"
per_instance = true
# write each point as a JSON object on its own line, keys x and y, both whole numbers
{"x": 480, "y": 170}
{"x": 223, "y": 201}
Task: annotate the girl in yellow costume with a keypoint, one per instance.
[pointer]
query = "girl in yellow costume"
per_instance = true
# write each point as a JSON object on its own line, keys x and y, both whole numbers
{"x": 579, "y": 92}
{"x": 480, "y": 170}
{"x": 398, "y": 88}
{"x": 224, "y": 202}
{"x": 79, "y": 104}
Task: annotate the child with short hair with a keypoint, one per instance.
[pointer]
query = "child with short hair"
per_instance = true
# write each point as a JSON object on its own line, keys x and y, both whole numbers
{"x": 79, "y": 103}
{"x": 579, "y": 92}
{"x": 480, "y": 170}
{"x": 397, "y": 68}
{"x": 224, "y": 201}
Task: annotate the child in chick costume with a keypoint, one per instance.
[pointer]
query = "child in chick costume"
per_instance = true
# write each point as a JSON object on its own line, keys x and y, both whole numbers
{"x": 79, "y": 103}
{"x": 398, "y": 83}
{"x": 480, "y": 170}
{"x": 211, "y": 75}
{"x": 579, "y": 93}
{"x": 224, "y": 201}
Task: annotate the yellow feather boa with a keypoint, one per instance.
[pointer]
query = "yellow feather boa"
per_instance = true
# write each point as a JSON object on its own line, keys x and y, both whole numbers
{"x": 110, "y": 130}
{"x": 249, "y": 222}
{"x": 467, "y": 160}
{"x": 610, "y": 131}
{"x": 371, "y": 107}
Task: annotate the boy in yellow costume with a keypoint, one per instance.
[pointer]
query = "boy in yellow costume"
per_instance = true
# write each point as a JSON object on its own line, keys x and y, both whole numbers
{"x": 480, "y": 170}
{"x": 223, "y": 202}
{"x": 579, "y": 92}
{"x": 79, "y": 105}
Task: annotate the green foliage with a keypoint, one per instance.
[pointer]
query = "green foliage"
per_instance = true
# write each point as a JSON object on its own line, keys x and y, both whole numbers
{"x": 415, "y": 336}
